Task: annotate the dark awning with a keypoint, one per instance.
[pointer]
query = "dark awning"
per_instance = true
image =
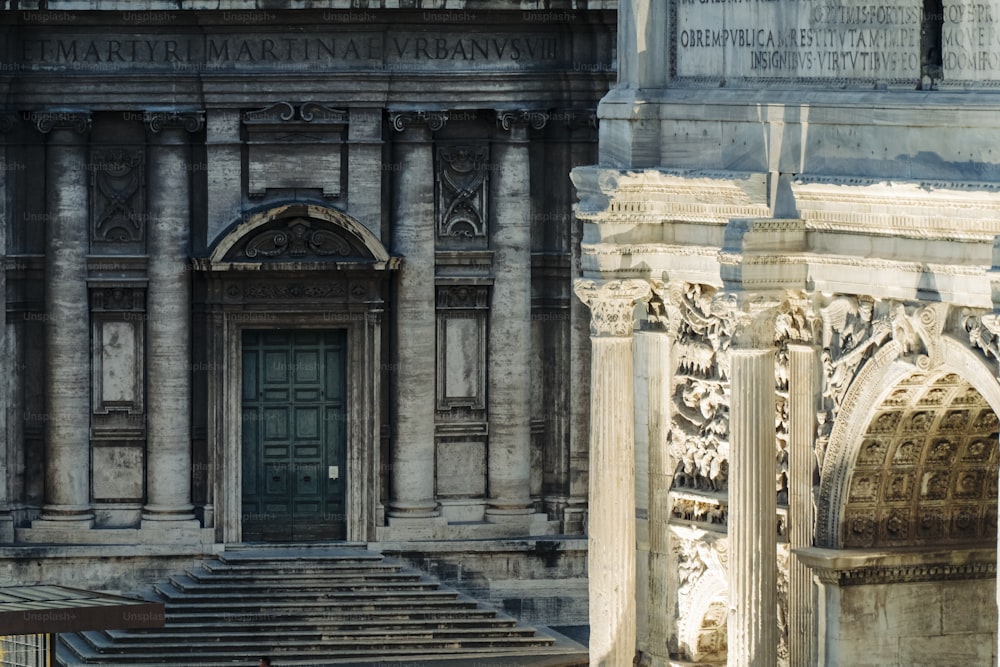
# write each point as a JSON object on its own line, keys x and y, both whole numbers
{"x": 27, "y": 610}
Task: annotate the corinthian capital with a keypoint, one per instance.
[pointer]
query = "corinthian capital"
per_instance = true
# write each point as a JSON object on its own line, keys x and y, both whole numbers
{"x": 611, "y": 304}
{"x": 434, "y": 120}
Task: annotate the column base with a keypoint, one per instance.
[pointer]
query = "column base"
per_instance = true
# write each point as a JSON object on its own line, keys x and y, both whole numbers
{"x": 502, "y": 510}
{"x": 413, "y": 528}
{"x": 65, "y": 516}
{"x": 413, "y": 509}
{"x": 168, "y": 513}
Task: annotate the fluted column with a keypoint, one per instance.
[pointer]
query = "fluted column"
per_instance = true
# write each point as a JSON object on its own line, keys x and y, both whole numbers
{"x": 412, "y": 465}
{"x": 67, "y": 322}
{"x": 661, "y": 474}
{"x": 509, "y": 389}
{"x": 752, "y": 622}
{"x": 803, "y": 389}
{"x": 168, "y": 326}
{"x": 611, "y": 526}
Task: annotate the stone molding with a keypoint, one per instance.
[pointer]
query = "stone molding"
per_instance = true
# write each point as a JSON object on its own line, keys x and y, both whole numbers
{"x": 611, "y": 304}
{"x": 158, "y": 121}
{"x": 654, "y": 196}
{"x": 918, "y": 209}
{"x": 403, "y": 120}
{"x": 845, "y": 567}
{"x": 78, "y": 122}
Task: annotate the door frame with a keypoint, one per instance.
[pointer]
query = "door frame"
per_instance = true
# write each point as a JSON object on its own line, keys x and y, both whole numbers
{"x": 236, "y": 293}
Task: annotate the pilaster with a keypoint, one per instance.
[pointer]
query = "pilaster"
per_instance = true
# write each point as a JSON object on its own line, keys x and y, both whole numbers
{"x": 611, "y": 527}
{"x": 412, "y": 466}
{"x": 168, "y": 327}
{"x": 67, "y": 373}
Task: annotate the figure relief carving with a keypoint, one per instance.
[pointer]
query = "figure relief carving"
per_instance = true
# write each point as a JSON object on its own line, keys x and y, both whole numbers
{"x": 462, "y": 188}
{"x": 117, "y": 185}
{"x": 704, "y": 323}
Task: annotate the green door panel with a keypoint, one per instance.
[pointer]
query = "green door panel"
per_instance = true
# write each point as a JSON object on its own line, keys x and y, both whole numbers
{"x": 294, "y": 429}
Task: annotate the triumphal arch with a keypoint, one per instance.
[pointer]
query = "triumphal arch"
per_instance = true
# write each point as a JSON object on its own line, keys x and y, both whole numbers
{"x": 790, "y": 261}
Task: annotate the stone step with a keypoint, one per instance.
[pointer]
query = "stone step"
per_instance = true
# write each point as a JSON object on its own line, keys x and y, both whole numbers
{"x": 302, "y": 567}
{"x": 360, "y": 645}
{"x": 172, "y": 593}
{"x": 227, "y": 617}
{"x": 71, "y": 654}
{"x": 236, "y": 576}
{"x": 190, "y": 584}
{"x": 151, "y": 638}
{"x": 325, "y": 626}
{"x": 311, "y": 607}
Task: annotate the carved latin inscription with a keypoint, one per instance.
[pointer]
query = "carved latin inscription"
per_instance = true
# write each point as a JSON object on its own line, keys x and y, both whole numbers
{"x": 787, "y": 39}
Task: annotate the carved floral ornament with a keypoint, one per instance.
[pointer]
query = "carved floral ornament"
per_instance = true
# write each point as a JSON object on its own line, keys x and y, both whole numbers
{"x": 297, "y": 238}
{"x": 612, "y": 304}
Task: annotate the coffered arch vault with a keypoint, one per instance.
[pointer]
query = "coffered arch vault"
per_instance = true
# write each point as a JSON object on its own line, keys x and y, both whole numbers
{"x": 913, "y": 455}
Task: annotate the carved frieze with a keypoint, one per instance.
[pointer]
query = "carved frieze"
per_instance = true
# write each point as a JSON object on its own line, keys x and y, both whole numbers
{"x": 462, "y": 187}
{"x": 118, "y": 196}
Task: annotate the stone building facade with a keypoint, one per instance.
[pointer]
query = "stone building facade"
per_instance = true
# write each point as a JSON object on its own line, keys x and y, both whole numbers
{"x": 789, "y": 254}
{"x": 282, "y": 274}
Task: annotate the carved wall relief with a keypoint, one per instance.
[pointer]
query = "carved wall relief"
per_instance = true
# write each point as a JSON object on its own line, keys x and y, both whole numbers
{"x": 118, "y": 197}
{"x": 701, "y": 597}
{"x": 462, "y": 187}
{"x": 699, "y": 433}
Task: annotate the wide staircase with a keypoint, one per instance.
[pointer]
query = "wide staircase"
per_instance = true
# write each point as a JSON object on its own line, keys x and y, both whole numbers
{"x": 317, "y": 606}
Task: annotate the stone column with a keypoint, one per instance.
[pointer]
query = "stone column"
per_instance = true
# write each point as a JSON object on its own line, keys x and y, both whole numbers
{"x": 803, "y": 391}
{"x": 611, "y": 529}
{"x": 579, "y": 363}
{"x": 10, "y": 370}
{"x": 67, "y": 325}
{"x": 168, "y": 328}
{"x": 752, "y": 624}
{"x": 412, "y": 466}
{"x": 509, "y": 388}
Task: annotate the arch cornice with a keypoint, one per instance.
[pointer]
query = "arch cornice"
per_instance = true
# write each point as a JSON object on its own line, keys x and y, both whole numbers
{"x": 220, "y": 257}
{"x": 870, "y": 388}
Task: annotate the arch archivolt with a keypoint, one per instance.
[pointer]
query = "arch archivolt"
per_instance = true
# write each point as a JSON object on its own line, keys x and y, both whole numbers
{"x": 926, "y": 389}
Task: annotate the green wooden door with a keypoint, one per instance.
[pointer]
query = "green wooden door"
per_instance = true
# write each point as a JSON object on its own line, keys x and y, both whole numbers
{"x": 294, "y": 435}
